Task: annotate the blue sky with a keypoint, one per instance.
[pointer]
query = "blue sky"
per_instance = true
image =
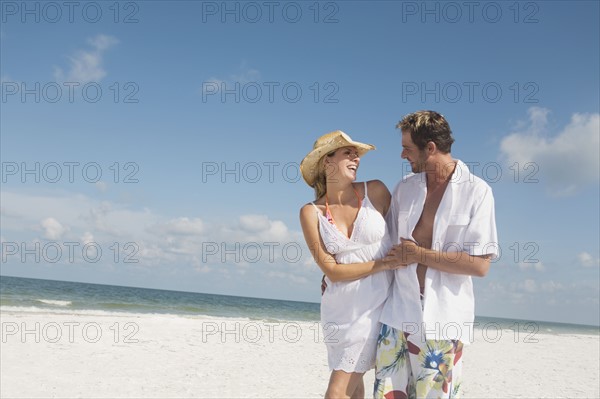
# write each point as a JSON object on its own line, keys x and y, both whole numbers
{"x": 196, "y": 115}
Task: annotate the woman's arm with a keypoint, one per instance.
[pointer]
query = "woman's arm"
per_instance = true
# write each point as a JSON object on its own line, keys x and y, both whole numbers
{"x": 334, "y": 271}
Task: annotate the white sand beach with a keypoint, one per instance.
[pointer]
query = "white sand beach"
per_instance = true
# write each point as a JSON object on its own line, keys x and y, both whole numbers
{"x": 161, "y": 356}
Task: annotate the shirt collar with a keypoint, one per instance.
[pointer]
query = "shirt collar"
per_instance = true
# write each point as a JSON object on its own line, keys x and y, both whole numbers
{"x": 460, "y": 175}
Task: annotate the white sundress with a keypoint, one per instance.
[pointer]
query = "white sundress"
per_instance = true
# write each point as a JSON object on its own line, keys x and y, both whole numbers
{"x": 350, "y": 310}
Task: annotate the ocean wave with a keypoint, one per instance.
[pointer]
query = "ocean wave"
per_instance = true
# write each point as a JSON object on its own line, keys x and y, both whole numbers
{"x": 54, "y": 302}
{"x": 83, "y": 312}
{"x": 97, "y": 312}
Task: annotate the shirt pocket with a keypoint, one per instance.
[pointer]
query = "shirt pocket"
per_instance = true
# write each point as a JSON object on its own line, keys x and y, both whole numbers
{"x": 457, "y": 227}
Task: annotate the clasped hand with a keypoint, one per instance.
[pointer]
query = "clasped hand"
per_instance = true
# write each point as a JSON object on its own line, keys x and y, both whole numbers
{"x": 403, "y": 254}
{"x": 400, "y": 255}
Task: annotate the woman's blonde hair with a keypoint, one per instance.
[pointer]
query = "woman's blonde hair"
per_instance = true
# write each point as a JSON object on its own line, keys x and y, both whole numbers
{"x": 320, "y": 185}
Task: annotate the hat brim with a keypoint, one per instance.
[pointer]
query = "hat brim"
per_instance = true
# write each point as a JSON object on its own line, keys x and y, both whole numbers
{"x": 309, "y": 166}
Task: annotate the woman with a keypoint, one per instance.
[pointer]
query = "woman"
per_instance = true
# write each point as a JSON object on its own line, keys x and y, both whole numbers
{"x": 346, "y": 232}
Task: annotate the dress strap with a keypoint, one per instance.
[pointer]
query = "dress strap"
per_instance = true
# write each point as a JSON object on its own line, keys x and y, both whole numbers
{"x": 365, "y": 189}
{"x": 316, "y": 207}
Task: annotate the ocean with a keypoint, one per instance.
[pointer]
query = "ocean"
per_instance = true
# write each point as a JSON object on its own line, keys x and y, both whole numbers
{"x": 49, "y": 296}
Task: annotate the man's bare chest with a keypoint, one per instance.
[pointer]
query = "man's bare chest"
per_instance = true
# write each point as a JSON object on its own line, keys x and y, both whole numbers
{"x": 423, "y": 231}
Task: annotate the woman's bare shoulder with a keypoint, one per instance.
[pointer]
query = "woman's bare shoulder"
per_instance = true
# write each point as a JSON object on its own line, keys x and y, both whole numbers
{"x": 308, "y": 209}
{"x": 377, "y": 186}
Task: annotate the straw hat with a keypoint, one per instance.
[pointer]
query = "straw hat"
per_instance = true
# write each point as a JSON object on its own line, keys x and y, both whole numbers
{"x": 324, "y": 145}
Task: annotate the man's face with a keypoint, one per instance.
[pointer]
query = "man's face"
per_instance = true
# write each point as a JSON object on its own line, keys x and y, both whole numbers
{"x": 411, "y": 152}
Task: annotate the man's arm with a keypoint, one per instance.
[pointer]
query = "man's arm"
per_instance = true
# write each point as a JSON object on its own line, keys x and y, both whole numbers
{"x": 480, "y": 244}
{"x": 450, "y": 262}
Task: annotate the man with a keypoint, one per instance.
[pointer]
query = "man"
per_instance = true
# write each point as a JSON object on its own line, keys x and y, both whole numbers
{"x": 442, "y": 218}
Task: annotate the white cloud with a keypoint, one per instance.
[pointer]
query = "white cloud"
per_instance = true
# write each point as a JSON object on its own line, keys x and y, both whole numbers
{"x": 101, "y": 186}
{"x": 203, "y": 269}
{"x": 537, "y": 266}
{"x": 287, "y": 276}
{"x": 52, "y": 229}
{"x": 567, "y": 161}
{"x": 528, "y": 286}
{"x": 183, "y": 225}
{"x": 587, "y": 260}
{"x": 160, "y": 241}
{"x": 254, "y": 223}
{"x": 87, "y": 65}
{"x": 118, "y": 221}
{"x": 245, "y": 75}
{"x": 87, "y": 238}
{"x": 22, "y": 212}
{"x": 251, "y": 239}
{"x": 532, "y": 295}
{"x": 551, "y": 286}
{"x": 261, "y": 228}
{"x": 518, "y": 289}
{"x": 102, "y": 42}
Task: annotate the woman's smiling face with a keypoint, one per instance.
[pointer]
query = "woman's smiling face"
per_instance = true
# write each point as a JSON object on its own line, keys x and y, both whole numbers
{"x": 344, "y": 162}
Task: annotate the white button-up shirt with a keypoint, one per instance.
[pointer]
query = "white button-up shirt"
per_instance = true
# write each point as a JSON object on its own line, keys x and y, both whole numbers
{"x": 464, "y": 221}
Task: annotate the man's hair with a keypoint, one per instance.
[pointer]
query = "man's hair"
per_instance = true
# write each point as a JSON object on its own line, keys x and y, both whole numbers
{"x": 426, "y": 126}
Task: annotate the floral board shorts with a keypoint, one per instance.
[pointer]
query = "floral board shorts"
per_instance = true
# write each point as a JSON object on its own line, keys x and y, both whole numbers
{"x": 408, "y": 367}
